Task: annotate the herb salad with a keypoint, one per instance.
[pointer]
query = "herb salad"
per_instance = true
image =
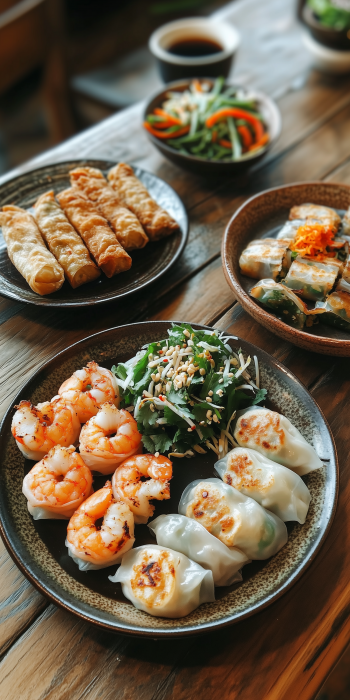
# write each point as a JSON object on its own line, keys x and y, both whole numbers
{"x": 184, "y": 391}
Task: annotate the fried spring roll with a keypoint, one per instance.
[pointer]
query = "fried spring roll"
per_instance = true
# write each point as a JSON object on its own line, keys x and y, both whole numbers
{"x": 64, "y": 242}
{"x": 155, "y": 220}
{"x": 125, "y": 224}
{"x": 95, "y": 232}
{"x": 28, "y": 253}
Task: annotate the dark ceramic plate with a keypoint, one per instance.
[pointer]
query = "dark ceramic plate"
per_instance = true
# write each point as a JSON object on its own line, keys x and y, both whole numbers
{"x": 38, "y": 547}
{"x": 148, "y": 264}
{"x": 214, "y": 168}
{"x": 261, "y": 216}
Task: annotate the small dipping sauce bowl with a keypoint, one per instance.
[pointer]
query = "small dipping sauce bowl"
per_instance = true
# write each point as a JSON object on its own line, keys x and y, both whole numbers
{"x": 194, "y": 47}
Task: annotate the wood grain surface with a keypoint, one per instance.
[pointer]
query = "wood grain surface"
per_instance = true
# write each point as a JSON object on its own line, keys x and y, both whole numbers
{"x": 287, "y": 651}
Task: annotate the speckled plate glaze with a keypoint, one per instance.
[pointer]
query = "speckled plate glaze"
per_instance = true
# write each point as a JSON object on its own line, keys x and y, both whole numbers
{"x": 148, "y": 264}
{"x": 38, "y": 547}
{"x": 261, "y": 216}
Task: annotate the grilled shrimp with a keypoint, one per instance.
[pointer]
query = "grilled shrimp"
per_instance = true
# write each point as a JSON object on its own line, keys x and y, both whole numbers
{"x": 37, "y": 429}
{"x": 95, "y": 547}
{"x": 108, "y": 438}
{"x": 127, "y": 484}
{"x": 88, "y": 388}
{"x": 58, "y": 484}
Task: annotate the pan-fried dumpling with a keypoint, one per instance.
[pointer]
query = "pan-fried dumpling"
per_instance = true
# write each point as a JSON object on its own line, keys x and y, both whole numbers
{"x": 276, "y": 437}
{"x": 162, "y": 582}
{"x": 192, "y": 539}
{"x": 233, "y": 518}
{"x": 276, "y": 488}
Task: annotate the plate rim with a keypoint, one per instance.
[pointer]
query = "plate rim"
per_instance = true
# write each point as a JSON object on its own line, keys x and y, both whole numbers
{"x": 47, "y": 301}
{"x": 325, "y": 345}
{"x": 59, "y": 596}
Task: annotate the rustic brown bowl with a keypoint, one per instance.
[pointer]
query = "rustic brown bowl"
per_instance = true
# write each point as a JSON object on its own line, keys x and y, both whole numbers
{"x": 263, "y": 215}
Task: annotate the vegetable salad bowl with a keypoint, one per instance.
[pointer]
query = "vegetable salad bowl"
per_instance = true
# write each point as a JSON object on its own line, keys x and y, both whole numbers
{"x": 213, "y": 168}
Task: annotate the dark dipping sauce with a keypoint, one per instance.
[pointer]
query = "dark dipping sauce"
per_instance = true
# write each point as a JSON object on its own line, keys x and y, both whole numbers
{"x": 195, "y": 47}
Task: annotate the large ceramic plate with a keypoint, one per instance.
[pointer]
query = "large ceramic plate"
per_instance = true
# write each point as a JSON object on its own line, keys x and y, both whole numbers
{"x": 148, "y": 264}
{"x": 38, "y": 547}
{"x": 261, "y": 216}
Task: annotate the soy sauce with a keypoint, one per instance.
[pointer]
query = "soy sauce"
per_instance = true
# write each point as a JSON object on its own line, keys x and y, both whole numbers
{"x": 195, "y": 47}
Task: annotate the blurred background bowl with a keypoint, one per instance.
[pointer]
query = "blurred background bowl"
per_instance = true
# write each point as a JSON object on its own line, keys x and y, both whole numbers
{"x": 212, "y": 168}
{"x": 174, "y": 67}
{"x": 326, "y": 59}
{"x": 325, "y": 35}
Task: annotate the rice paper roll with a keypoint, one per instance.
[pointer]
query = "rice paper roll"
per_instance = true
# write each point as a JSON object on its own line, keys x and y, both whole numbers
{"x": 275, "y": 487}
{"x": 95, "y": 231}
{"x": 342, "y": 286}
{"x": 346, "y": 222}
{"x": 124, "y": 223}
{"x": 156, "y": 221}
{"x": 337, "y": 308}
{"x": 346, "y": 270}
{"x": 28, "y": 252}
{"x": 275, "y": 437}
{"x": 312, "y": 280}
{"x": 235, "y": 519}
{"x": 283, "y": 302}
{"x": 162, "y": 582}
{"x": 192, "y": 539}
{"x": 64, "y": 242}
{"x": 325, "y": 215}
{"x": 289, "y": 229}
{"x": 264, "y": 258}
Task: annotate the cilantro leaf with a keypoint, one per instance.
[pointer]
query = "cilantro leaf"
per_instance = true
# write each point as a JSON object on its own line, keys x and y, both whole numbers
{"x": 176, "y": 397}
{"x": 120, "y": 371}
{"x": 260, "y": 396}
{"x": 146, "y": 416}
{"x": 159, "y": 442}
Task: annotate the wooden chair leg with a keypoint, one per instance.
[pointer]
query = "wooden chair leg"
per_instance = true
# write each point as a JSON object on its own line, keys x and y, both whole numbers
{"x": 57, "y": 98}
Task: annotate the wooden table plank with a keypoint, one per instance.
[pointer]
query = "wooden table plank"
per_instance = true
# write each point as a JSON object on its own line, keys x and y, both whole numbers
{"x": 19, "y": 603}
{"x": 63, "y": 657}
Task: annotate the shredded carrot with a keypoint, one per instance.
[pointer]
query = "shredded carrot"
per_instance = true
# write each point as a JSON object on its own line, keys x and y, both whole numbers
{"x": 225, "y": 143}
{"x": 245, "y": 135}
{"x": 164, "y": 125}
{"x": 237, "y": 113}
{"x": 166, "y": 134}
{"x": 214, "y": 136}
{"x": 313, "y": 239}
{"x": 169, "y": 117}
{"x": 197, "y": 85}
{"x": 260, "y": 143}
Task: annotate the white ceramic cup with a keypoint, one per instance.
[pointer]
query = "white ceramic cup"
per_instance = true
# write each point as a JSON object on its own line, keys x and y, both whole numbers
{"x": 174, "y": 67}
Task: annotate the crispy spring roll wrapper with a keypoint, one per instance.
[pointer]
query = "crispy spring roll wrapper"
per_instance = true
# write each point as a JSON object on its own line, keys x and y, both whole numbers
{"x": 125, "y": 224}
{"x": 64, "y": 242}
{"x": 155, "y": 220}
{"x": 28, "y": 253}
{"x": 95, "y": 232}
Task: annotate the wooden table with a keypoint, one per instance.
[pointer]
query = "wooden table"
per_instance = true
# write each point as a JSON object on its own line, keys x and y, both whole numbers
{"x": 286, "y": 651}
